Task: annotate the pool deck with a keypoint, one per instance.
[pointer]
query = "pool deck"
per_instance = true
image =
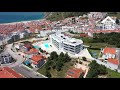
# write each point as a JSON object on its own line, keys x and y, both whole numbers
{"x": 83, "y": 53}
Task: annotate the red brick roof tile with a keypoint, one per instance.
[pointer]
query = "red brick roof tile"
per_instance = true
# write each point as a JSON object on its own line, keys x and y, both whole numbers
{"x": 74, "y": 72}
{"x": 109, "y": 50}
{"x": 7, "y": 72}
{"x": 113, "y": 61}
{"x": 37, "y": 58}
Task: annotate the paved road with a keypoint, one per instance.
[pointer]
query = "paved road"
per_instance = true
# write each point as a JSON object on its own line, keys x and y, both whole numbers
{"x": 19, "y": 58}
{"x": 27, "y": 72}
{"x": 19, "y": 67}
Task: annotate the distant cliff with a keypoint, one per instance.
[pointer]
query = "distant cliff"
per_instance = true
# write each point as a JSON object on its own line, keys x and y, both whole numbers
{"x": 55, "y": 16}
{"x": 47, "y": 14}
{"x": 117, "y": 14}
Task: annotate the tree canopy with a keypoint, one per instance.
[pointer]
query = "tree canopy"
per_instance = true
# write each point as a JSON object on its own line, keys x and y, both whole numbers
{"x": 110, "y": 38}
{"x": 96, "y": 69}
{"x": 56, "y": 61}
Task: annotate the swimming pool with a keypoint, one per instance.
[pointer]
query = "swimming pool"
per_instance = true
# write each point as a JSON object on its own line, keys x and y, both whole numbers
{"x": 46, "y": 45}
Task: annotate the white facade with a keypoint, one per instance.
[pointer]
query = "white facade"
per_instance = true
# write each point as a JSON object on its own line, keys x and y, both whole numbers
{"x": 67, "y": 28}
{"x": 21, "y": 35}
{"x": 44, "y": 32}
{"x": 97, "y": 15}
{"x": 70, "y": 45}
{"x": 108, "y": 24}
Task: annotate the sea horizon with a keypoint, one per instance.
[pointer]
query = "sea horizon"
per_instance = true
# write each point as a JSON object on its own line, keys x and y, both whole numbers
{"x": 14, "y": 17}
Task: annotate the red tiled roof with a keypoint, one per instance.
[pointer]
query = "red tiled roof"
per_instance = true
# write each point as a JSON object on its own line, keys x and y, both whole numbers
{"x": 7, "y": 72}
{"x": 74, "y": 72}
{"x": 109, "y": 50}
{"x": 28, "y": 45}
{"x": 113, "y": 61}
{"x": 33, "y": 50}
{"x": 37, "y": 58}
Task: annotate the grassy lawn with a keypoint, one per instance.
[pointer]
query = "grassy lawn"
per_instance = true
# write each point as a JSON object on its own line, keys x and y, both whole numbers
{"x": 113, "y": 74}
{"x": 98, "y": 45}
{"x": 55, "y": 73}
{"x": 42, "y": 70}
{"x": 94, "y": 51}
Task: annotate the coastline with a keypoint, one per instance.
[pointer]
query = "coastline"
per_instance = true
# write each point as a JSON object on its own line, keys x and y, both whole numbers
{"x": 44, "y": 18}
{"x": 21, "y": 22}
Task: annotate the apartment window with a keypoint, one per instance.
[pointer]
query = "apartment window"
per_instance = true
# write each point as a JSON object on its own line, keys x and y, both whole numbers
{"x": 66, "y": 47}
{"x": 71, "y": 50}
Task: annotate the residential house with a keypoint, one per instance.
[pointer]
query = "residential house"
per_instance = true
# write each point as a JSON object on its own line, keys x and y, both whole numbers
{"x": 26, "y": 47}
{"x": 6, "y": 58}
{"x": 74, "y": 73}
{"x": 38, "y": 61}
{"x": 111, "y": 56}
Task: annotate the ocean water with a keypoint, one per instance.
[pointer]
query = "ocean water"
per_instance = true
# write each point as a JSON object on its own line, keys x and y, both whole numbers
{"x": 8, "y": 17}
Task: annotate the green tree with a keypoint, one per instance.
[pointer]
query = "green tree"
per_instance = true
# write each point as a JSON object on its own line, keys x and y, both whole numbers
{"x": 61, "y": 57}
{"x": 47, "y": 73}
{"x": 61, "y": 54}
{"x": 53, "y": 55}
{"x": 117, "y": 21}
{"x": 84, "y": 58}
{"x": 102, "y": 70}
{"x": 41, "y": 50}
{"x": 59, "y": 65}
{"x": 96, "y": 69}
{"x": 66, "y": 57}
{"x": 92, "y": 73}
{"x": 48, "y": 65}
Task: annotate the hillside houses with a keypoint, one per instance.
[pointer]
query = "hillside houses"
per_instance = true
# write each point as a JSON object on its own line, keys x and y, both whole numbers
{"x": 111, "y": 56}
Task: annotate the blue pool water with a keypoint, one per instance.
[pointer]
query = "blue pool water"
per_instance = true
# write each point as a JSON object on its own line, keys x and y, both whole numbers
{"x": 46, "y": 45}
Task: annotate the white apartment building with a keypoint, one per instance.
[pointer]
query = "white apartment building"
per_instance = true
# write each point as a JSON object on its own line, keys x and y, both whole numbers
{"x": 65, "y": 43}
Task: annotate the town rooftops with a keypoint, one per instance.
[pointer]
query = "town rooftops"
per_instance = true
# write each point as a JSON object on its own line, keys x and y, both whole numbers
{"x": 37, "y": 58}
{"x": 109, "y": 50}
{"x": 113, "y": 61}
{"x": 7, "y": 72}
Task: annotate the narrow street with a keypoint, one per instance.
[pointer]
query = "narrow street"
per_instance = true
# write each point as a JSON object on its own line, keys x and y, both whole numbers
{"x": 27, "y": 72}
